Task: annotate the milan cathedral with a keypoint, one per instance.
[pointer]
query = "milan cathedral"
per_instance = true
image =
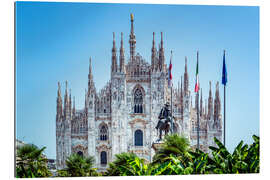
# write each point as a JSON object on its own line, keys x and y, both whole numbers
{"x": 122, "y": 116}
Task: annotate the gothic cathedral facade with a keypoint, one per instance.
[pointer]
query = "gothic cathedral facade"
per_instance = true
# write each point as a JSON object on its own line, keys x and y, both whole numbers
{"x": 122, "y": 116}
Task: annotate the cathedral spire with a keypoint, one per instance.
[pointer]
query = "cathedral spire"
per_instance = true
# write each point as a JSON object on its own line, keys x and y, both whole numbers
{"x": 154, "y": 50}
{"x": 161, "y": 41}
{"x": 66, "y": 101}
{"x": 185, "y": 78}
{"x": 181, "y": 96}
{"x": 85, "y": 101}
{"x": 59, "y": 101}
{"x": 73, "y": 110}
{"x": 90, "y": 77}
{"x": 122, "y": 55}
{"x": 201, "y": 105}
{"x": 132, "y": 39}
{"x": 114, "y": 60}
{"x": 90, "y": 69}
{"x": 205, "y": 108}
{"x": 70, "y": 102}
{"x": 217, "y": 106}
{"x": 210, "y": 103}
{"x": 161, "y": 54}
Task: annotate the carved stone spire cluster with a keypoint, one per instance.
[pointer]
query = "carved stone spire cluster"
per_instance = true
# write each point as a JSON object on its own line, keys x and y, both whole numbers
{"x": 132, "y": 39}
{"x": 64, "y": 111}
{"x": 158, "y": 57}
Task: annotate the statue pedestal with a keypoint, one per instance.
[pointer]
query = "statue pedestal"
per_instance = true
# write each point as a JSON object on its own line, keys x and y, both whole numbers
{"x": 156, "y": 145}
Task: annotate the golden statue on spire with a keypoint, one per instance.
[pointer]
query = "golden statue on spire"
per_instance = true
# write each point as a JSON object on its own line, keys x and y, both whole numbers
{"x": 132, "y": 17}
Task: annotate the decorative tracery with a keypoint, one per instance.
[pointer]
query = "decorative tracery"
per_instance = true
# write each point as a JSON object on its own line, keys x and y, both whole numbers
{"x": 138, "y": 101}
{"x": 103, "y": 133}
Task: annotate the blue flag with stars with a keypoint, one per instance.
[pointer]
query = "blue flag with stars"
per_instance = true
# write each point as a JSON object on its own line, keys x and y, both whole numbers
{"x": 224, "y": 71}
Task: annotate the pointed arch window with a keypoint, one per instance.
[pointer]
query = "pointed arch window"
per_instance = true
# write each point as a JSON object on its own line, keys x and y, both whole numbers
{"x": 138, "y": 138}
{"x": 103, "y": 158}
{"x": 103, "y": 133}
{"x": 138, "y": 101}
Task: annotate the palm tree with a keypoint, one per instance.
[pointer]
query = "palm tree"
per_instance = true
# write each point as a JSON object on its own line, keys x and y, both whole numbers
{"x": 30, "y": 162}
{"x": 78, "y": 166}
{"x": 175, "y": 145}
{"x": 120, "y": 165}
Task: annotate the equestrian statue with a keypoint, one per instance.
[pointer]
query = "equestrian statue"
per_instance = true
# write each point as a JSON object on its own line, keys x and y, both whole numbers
{"x": 164, "y": 122}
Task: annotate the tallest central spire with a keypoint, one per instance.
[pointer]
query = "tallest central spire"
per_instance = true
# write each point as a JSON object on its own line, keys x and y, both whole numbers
{"x": 132, "y": 39}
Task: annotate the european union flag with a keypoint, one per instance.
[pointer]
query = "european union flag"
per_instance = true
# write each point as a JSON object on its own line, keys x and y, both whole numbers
{"x": 224, "y": 71}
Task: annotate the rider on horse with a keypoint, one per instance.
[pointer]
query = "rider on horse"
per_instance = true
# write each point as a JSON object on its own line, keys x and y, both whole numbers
{"x": 164, "y": 118}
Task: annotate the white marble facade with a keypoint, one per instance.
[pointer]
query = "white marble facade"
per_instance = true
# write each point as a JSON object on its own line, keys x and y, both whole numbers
{"x": 122, "y": 116}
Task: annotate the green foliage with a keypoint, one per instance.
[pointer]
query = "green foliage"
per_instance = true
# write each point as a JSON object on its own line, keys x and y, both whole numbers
{"x": 244, "y": 159}
{"x": 173, "y": 145}
{"x": 175, "y": 158}
{"x": 30, "y": 162}
{"x": 78, "y": 166}
{"x": 121, "y": 164}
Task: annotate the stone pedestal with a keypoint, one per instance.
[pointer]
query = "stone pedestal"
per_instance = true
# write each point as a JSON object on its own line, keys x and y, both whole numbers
{"x": 156, "y": 145}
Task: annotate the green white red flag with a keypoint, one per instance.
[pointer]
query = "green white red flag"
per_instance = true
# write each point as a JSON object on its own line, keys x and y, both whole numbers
{"x": 197, "y": 74}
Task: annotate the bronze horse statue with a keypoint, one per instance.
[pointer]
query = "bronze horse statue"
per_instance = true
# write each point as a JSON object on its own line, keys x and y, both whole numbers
{"x": 165, "y": 125}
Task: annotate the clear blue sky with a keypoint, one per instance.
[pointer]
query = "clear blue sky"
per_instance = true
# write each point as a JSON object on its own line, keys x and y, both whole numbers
{"x": 55, "y": 40}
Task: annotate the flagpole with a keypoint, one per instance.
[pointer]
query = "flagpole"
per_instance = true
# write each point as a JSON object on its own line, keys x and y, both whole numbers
{"x": 171, "y": 98}
{"x": 224, "y": 114}
{"x": 225, "y": 81}
{"x": 171, "y": 110}
{"x": 198, "y": 121}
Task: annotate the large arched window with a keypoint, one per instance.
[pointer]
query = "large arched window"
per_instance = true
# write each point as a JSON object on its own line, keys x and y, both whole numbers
{"x": 138, "y": 138}
{"x": 138, "y": 101}
{"x": 103, "y": 133}
{"x": 103, "y": 158}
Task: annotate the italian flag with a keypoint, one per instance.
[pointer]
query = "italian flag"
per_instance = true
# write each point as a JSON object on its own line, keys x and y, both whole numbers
{"x": 170, "y": 73}
{"x": 197, "y": 74}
